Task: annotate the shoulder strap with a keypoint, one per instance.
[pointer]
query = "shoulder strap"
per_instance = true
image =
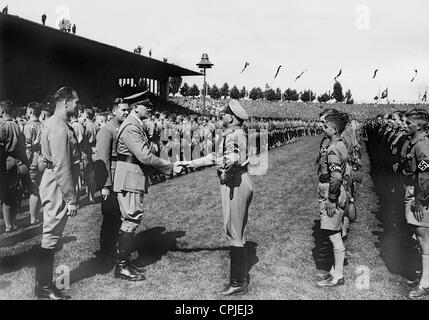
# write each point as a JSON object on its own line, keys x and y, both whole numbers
{"x": 119, "y": 135}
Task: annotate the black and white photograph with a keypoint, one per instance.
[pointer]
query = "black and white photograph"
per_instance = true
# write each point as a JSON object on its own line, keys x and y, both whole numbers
{"x": 212, "y": 155}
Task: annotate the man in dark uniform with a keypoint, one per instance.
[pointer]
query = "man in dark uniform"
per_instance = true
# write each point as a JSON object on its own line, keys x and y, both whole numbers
{"x": 32, "y": 133}
{"x": 14, "y": 153}
{"x": 105, "y": 171}
{"x": 61, "y": 154}
{"x": 44, "y": 19}
{"x": 135, "y": 157}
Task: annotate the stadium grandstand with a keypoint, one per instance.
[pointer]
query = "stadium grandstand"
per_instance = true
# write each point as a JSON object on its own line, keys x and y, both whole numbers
{"x": 35, "y": 59}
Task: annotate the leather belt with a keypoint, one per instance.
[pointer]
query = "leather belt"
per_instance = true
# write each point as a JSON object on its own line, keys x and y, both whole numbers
{"x": 236, "y": 170}
{"x": 324, "y": 178}
{"x": 127, "y": 159}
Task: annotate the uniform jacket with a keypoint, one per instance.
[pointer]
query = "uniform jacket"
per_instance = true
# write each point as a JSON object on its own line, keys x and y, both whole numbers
{"x": 133, "y": 141}
{"x": 106, "y": 149}
{"x": 13, "y": 144}
{"x": 33, "y": 133}
{"x": 231, "y": 155}
{"x": 90, "y": 139}
{"x": 336, "y": 164}
{"x": 60, "y": 147}
{"x": 79, "y": 130}
{"x": 322, "y": 170}
{"x": 418, "y": 166}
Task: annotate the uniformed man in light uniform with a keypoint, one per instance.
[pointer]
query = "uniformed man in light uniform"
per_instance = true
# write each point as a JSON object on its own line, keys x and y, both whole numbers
{"x": 57, "y": 188}
{"x": 105, "y": 165}
{"x": 332, "y": 196}
{"x": 33, "y": 133}
{"x": 236, "y": 189}
{"x": 134, "y": 158}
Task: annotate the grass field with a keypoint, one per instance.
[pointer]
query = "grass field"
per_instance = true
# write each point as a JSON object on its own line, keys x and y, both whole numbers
{"x": 186, "y": 251}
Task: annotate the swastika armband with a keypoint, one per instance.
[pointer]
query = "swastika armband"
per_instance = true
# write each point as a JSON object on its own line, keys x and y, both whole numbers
{"x": 423, "y": 166}
{"x": 335, "y": 168}
{"x": 232, "y": 148}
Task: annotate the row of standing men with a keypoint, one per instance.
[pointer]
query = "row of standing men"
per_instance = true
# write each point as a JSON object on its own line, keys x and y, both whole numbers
{"x": 117, "y": 157}
{"x": 166, "y": 131}
{"x": 399, "y": 148}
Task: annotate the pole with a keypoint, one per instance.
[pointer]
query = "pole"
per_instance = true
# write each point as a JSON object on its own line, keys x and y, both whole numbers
{"x": 204, "y": 91}
{"x": 418, "y": 101}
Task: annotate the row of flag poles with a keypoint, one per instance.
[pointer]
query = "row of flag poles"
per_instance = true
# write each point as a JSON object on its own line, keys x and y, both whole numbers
{"x": 382, "y": 96}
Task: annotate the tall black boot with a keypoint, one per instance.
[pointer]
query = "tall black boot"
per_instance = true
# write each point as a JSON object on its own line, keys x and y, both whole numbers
{"x": 124, "y": 248}
{"x": 109, "y": 236}
{"x": 246, "y": 268}
{"x": 237, "y": 284}
{"x": 45, "y": 289}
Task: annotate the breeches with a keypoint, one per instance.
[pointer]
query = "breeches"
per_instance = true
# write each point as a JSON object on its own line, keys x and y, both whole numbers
{"x": 236, "y": 199}
{"x": 131, "y": 207}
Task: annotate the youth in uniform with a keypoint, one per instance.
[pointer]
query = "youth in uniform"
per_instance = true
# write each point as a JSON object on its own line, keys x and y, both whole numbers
{"x": 236, "y": 188}
{"x": 32, "y": 133}
{"x": 417, "y": 191}
{"x": 13, "y": 154}
{"x": 332, "y": 197}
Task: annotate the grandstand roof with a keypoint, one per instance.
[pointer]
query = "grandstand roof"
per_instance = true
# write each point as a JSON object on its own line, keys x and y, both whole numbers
{"x": 39, "y": 58}
{"x": 36, "y": 36}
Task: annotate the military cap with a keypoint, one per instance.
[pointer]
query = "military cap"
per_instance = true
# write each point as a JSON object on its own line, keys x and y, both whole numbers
{"x": 237, "y": 110}
{"x": 141, "y": 98}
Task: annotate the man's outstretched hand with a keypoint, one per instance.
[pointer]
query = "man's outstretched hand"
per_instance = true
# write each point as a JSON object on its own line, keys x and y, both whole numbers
{"x": 184, "y": 164}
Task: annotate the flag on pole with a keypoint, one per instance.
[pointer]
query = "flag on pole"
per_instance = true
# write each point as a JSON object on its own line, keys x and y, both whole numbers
{"x": 338, "y": 75}
{"x": 278, "y": 70}
{"x": 415, "y": 75}
{"x": 301, "y": 74}
{"x": 245, "y": 66}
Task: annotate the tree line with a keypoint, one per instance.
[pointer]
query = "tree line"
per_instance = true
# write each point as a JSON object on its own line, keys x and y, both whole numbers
{"x": 269, "y": 94}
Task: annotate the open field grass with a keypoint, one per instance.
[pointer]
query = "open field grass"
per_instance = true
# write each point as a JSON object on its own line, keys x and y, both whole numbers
{"x": 186, "y": 251}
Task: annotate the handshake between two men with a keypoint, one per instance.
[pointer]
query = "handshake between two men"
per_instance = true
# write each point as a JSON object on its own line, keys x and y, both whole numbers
{"x": 180, "y": 165}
